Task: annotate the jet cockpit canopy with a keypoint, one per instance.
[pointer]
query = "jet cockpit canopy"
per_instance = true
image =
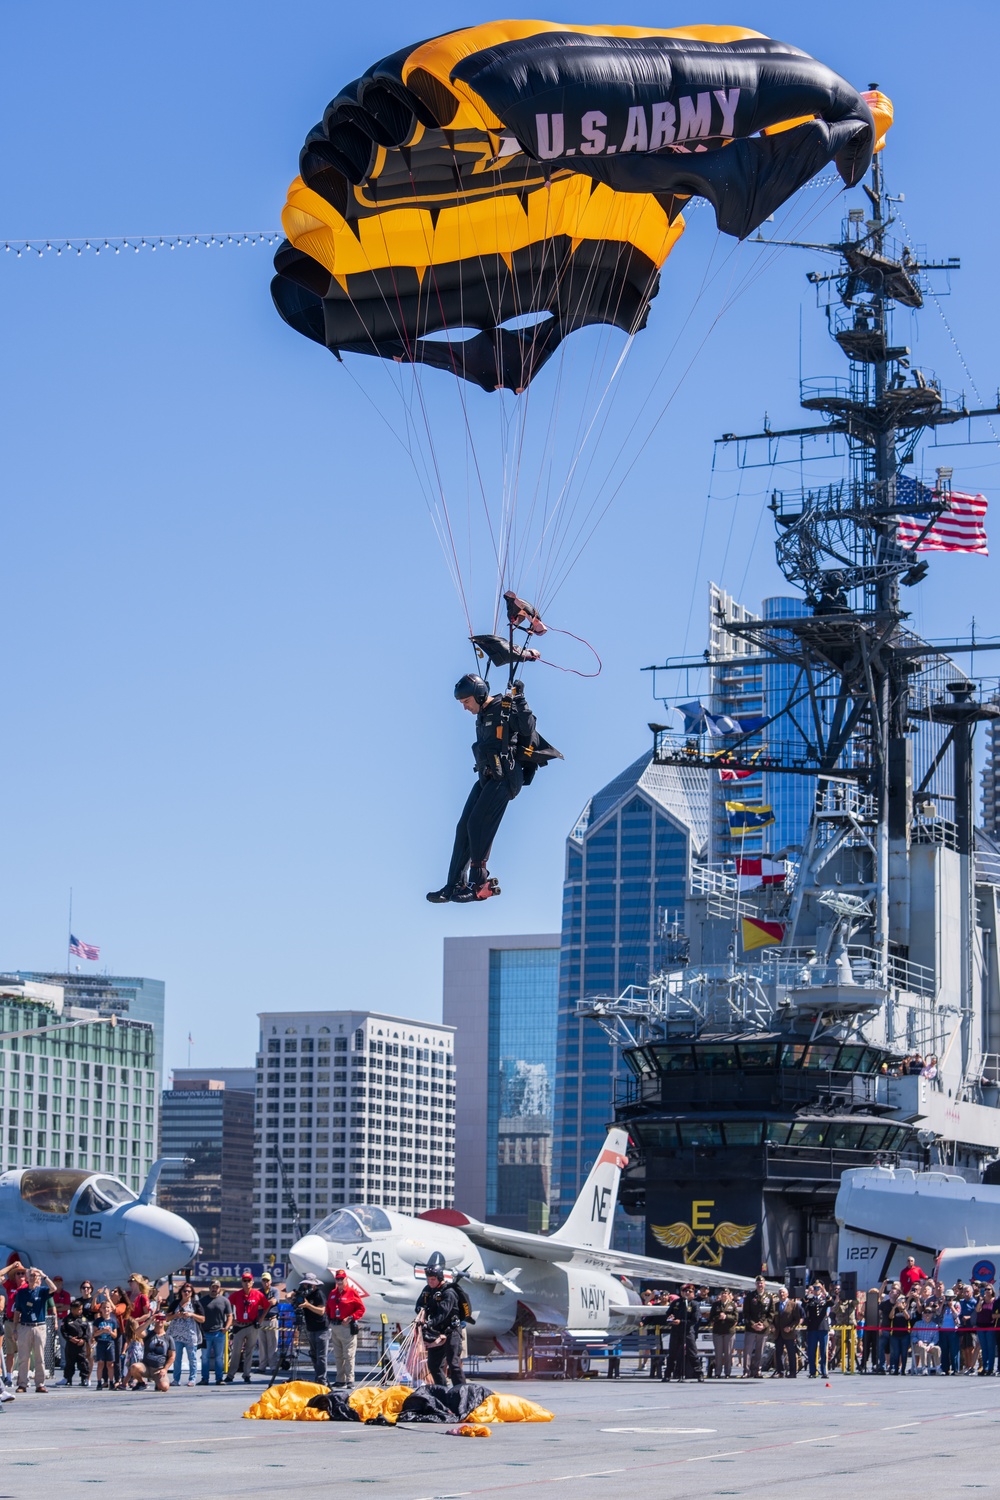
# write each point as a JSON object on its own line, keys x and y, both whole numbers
{"x": 349, "y": 1225}
{"x": 51, "y": 1190}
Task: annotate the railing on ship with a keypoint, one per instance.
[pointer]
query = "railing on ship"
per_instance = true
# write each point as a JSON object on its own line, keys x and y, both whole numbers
{"x": 796, "y": 966}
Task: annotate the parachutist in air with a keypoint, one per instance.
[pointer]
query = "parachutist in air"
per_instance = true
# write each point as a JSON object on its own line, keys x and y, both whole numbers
{"x": 507, "y": 751}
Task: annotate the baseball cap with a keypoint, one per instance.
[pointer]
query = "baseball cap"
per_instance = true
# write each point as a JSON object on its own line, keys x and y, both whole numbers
{"x": 247, "y": 1276}
{"x": 340, "y": 1275}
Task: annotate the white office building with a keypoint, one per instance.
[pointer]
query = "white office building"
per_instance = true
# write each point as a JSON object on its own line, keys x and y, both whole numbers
{"x": 352, "y": 1106}
{"x": 75, "y": 1091}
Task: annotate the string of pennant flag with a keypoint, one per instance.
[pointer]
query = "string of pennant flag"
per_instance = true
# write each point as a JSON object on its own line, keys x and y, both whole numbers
{"x": 114, "y": 245}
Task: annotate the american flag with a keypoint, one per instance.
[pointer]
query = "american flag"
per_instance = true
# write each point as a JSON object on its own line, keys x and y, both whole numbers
{"x": 959, "y": 528}
{"x": 83, "y": 950}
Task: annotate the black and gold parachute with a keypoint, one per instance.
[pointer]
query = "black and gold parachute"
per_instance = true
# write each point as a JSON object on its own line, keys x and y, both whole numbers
{"x": 470, "y": 201}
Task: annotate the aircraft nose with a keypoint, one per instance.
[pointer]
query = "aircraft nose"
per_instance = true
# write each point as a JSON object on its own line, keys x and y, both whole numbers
{"x": 309, "y": 1256}
{"x": 158, "y": 1241}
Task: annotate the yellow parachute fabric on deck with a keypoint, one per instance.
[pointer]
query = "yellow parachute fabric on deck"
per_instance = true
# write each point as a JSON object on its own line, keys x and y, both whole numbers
{"x": 374, "y": 1401}
{"x": 500, "y": 1407}
{"x": 288, "y": 1403}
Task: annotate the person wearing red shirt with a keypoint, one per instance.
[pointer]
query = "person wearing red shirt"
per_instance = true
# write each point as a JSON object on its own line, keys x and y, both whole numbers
{"x": 910, "y": 1275}
{"x": 16, "y": 1278}
{"x": 249, "y": 1306}
{"x": 345, "y": 1309}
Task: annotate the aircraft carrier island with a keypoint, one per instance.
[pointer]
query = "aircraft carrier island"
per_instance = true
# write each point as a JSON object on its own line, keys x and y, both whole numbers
{"x": 833, "y": 1001}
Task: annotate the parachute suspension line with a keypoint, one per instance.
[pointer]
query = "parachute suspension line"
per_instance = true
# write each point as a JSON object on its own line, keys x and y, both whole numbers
{"x": 595, "y": 373}
{"x": 729, "y": 300}
{"x": 596, "y": 448}
{"x": 565, "y": 504}
{"x": 635, "y": 458}
{"x": 459, "y": 381}
{"x": 424, "y": 483}
{"x": 581, "y": 445}
{"x": 438, "y": 511}
{"x": 417, "y": 386}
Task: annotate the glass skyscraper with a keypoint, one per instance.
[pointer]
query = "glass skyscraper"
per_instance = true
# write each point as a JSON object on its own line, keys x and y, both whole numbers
{"x": 521, "y": 1082}
{"x": 746, "y": 684}
{"x": 628, "y": 861}
{"x": 501, "y": 995}
{"x": 122, "y": 995}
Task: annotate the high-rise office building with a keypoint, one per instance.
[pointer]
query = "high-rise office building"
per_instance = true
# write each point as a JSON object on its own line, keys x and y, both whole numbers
{"x": 209, "y": 1124}
{"x": 352, "y": 1106}
{"x": 628, "y": 860}
{"x": 746, "y": 683}
{"x": 85, "y": 1097}
{"x": 113, "y": 994}
{"x": 502, "y": 995}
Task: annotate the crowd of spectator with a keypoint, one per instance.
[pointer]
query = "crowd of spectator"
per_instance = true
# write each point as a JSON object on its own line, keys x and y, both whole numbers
{"x": 142, "y": 1336}
{"x": 916, "y": 1065}
{"x": 912, "y": 1326}
{"x": 137, "y": 1336}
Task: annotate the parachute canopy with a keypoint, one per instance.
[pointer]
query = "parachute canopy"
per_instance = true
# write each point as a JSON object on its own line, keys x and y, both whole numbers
{"x": 471, "y": 200}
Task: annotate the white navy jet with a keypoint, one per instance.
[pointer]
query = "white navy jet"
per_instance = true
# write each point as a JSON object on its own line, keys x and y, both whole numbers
{"x": 89, "y": 1226}
{"x": 570, "y": 1279}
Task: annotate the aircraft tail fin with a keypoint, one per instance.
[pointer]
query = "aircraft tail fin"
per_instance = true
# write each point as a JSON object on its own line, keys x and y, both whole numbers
{"x": 592, "y": 1216}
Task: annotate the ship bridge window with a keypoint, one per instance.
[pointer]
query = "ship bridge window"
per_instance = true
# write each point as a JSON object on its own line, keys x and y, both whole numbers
{"x": 674, "y": 1059}
{"x": 756, "y": 1059}
{"x": 704, "y": 1133}
{"x": 812, "y": 1134}
{"x": 792, "y": 1054}
{"x": 742, "y": 1132}
{"x": 664, "y": 1136}
{"x": 640, "y": 1063}
{"x": 845, "y": 1137}
{"x": 851, "y": 1059}
{"x": 716, "y": 1059}
{"x": 51, "y": 1191}
{"x": 821, "y": 1055}
{"x": 777, "y": 1132}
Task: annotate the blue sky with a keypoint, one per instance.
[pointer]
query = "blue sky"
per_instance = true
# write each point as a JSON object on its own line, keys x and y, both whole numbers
{"x": 228, "y": 638}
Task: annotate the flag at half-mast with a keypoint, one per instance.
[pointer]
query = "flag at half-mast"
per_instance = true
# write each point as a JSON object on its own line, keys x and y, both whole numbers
{"x": 746, "y": 816}
{"x": 80, "y": 949}
{"x": 961, "y": 526}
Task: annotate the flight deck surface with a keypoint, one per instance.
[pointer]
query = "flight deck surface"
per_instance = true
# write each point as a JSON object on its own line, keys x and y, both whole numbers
{"x": 761, "y": 1438}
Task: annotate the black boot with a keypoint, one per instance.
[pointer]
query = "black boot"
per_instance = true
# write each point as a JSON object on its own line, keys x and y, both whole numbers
{"x": 457, "y": 892}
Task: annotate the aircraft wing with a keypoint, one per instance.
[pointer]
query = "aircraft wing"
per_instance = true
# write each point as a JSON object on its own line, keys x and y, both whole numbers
{"x": 617, "y": 1262}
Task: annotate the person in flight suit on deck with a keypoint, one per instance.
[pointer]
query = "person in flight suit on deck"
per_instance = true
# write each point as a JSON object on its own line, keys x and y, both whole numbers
{"x": 439, "y": 1314}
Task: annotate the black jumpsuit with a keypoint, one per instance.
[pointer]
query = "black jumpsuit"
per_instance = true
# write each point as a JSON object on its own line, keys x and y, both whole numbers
{"x": 498, "y": 781}
{"x": 442, "y": 1316}
{"x": 683, "y": 1360}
